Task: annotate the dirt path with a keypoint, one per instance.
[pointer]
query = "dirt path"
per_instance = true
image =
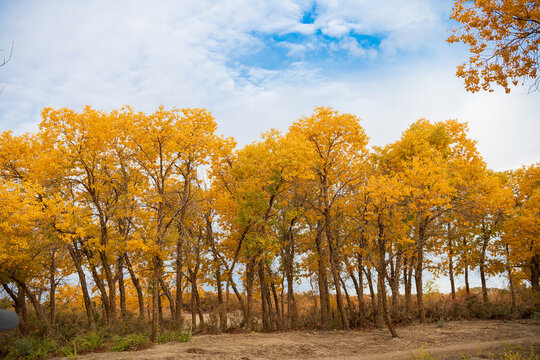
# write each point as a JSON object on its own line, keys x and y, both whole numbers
{"x": 474, "y": 338}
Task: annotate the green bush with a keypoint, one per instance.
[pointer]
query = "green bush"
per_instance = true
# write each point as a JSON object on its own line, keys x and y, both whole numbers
{"x": 179, "y": 336}
{"x": 30, "y": 347}
{"x": 90, "y": 342}
{"x": 130, "y": 342}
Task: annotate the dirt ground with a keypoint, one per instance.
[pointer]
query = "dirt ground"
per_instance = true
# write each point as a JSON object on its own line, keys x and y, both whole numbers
{"x": 455, "y": 340}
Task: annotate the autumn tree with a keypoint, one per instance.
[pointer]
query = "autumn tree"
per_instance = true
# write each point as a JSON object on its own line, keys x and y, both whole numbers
{"x": 503, "y": 37}
{"x": 337, "y": 144}
{"x": 522, "y": 230}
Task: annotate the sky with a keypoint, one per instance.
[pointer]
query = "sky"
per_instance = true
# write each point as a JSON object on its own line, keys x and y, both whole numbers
{"x": 257, "y": 65}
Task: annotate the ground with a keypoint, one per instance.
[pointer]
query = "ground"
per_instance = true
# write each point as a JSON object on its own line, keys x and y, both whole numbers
{"x": 451, "y": 340}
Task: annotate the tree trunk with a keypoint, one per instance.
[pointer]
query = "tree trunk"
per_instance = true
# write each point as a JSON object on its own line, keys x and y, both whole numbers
{"x": 111, "y": 284}
{"x": 467, "y": 287}
{"x": 156, "y": 275}
{"x": 250, "y": 275}
{"x": 292, "y": 312}
{"x": 512, "y": 288}
{"x": 169, "y": 297}
{"x": 199, "y": 308}
{"x": 334, "y": 258}
{"x": 52, "y": 289}
{"x": 77, "y": 258}
{"x": 121, "y": 285}
{"x": 221, "y": 306}
{"x": 264, "y": 304}
{"x": 321, "y": 275}
{"x": 374, "y": 307}
{"x": 485, "y": 240}
{"x": 100, "y": 286}
{"x": 407, "y": 275}
{"x": 347, "y": 297}
{"x": 395, "y": 284}
{"x": 483, "y": 281}
{"x": 276, "y": 303}
{"x": 451, "y": 271}
{"x": 418, "y": 273}
{"x": 136, "y": 283}
{"x": 360, "y": 292}
{"x": 451, "y": 262}
{"x": 535, "y": 272}
{"x": 20, "y": 306}
{"x": 35, "y": 303}
{"x": 178, "y": 319}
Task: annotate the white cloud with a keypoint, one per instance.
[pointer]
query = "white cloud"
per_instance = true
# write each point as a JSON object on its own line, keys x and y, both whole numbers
{"x": 108, "y": 54}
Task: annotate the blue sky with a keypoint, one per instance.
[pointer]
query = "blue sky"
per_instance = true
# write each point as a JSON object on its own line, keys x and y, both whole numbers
{"x": 256, "y": 65}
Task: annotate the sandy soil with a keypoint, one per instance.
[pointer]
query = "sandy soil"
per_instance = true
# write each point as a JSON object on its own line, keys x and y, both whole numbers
{"x": 476, "y": 339}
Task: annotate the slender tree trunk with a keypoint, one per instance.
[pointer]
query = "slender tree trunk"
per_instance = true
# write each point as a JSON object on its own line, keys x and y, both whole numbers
{"x": 355, "y": 319}
{"x": 360, "y": 292}
{"x": 335, "y": 272}
{"x": 100, "y": 286}
{"x": 121, "y": 285}
{"x": 535, "y": 272}
{"x": 111, "y": 284}
{"x": 483, "y": 281}
{"x": 160, "y": 307}
{"x": 292, "y": 312}
{"x": 467, "y": 287}
{"x": 485, "y": 239}
{"x": 178, "y": 319}
{"x": 347, "y": 297}
{"x": 276, "y": 303}
{"x": 407, "y": 274}
{"x": 193, "y": 305}
{"x": 199, "y": 309}
{"x": 52, "y": 289}
{"x": 250, "y": 275}
{"x": 395, "y": 284}
{"x": 451, "y": 262}
{"x": 156, "y": 275}
{"x": 221, "y": 306}
{"x": 418, "y": 273}
{"x": 381, "y": 280}
{"x": 323, "y": 283}
{"x": 136, "y": 284}
{"x": 35, "y": 303}
{"x": 374, "y": 307}
{"x": 20, "y": 306}
{"x": 169, "y": 297}
{"x": 264, "y": 295}
{"x": 77, "y": 258}
{"x": 451, "y": 271}
{"x": 382, "y": 295}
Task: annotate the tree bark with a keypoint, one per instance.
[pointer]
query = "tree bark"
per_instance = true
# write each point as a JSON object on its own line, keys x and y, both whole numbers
{"x": 52, "y": 289}
{"x": 156, "y": 275}
{"x": 121, "y": 285}
{"x": 77, "y": 261}
{"x": 323, "y": 283}
{"x": 136, "y": 283}
{"x": 418, "y": 272}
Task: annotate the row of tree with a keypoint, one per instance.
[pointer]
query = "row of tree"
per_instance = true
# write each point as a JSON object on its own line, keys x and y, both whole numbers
{"x": 164, "y": 203}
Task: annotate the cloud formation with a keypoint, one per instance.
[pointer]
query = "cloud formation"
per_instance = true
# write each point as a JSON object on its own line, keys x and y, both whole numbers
{"x": 256, "y": 65}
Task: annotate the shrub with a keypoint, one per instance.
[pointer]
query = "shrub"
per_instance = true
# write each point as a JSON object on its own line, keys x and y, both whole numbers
{"x": 440, "y": 323}
{"x": 179, "y": 336}
{"x": 90, "y": 342}
{"x": 518, "y": 352}
{"x": 30, "y": 347}
{"x": 421, "y": 355}
{"x": 130, "y": 342}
